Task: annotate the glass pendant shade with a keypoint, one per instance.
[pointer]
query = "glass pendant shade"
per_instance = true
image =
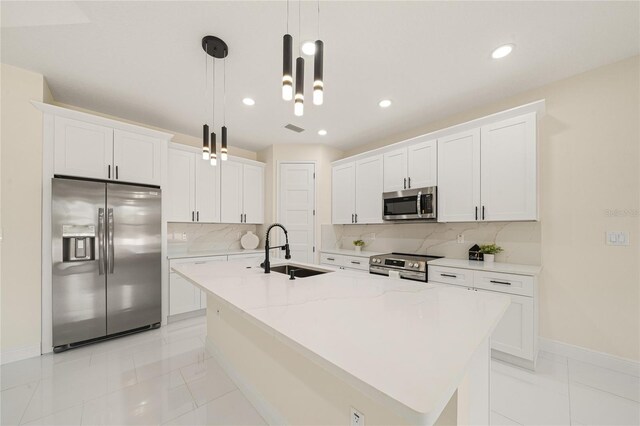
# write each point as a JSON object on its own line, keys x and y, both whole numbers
{"x": 214, "y": 156}
{"x": 287, "y": 67}
{"x": 223, "y": 150}
{"x": 318, "y": 78}
{"x": 205, "y": 142}
{"x": 298, "y": 108}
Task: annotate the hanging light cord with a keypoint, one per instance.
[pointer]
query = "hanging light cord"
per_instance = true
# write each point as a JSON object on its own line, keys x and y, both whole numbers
{"x": 224, "y": 91}
{"x": 299, "y": 24}
{"x": 318, "y": 19}
{"x": 287, "y": 16}
{"x": 213, "y": 93}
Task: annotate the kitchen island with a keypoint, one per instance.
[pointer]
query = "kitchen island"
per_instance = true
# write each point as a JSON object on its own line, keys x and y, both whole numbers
{"x": 314, "y": 350}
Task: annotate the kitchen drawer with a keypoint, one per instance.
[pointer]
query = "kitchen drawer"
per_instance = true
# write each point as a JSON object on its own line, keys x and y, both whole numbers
{"x": 196, "y": 260}
{"x": 350, "y": 262}
{"x": 446, "y": 275}
{"x": 521, "y": 285}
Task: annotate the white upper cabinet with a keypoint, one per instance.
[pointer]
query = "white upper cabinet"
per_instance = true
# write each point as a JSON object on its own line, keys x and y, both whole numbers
{"x": 82, "y": 149}
{"x": 422, "y": 164}
{"x": 181, "y": 190}
{"x": 395, "y": 170}
{"x": 136, "y": 158}
{"x": 343, "y": 184}
{"x": 508, "y": 169}
{"x": 90, "y": 150}
{"x": 253, "y": 193}
{"x": 414, "y": 166}
{"x": 459, "y": 177}
{"x": 357, "y": 191}
{"x": 207, "y": 178}
{"x": 242, "y": 192}
{"x": 369, "y": 190}
{"x": 193, "y": 188}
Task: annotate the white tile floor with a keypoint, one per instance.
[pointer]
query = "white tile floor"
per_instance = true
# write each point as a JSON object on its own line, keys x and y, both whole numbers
{"x": 166, "y": 376}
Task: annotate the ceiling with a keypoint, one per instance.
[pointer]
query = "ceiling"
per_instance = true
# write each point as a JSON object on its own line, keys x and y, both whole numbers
{"x": 143, "y": 60}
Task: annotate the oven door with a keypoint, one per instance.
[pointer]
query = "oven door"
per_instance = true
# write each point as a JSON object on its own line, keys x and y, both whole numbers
{"x": 413, "y": 204}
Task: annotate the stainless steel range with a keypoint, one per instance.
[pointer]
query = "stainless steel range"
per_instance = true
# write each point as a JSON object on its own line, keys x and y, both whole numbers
{"x": 409, "y": 266}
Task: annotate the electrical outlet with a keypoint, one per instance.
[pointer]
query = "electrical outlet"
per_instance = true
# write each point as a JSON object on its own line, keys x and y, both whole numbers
{"x": 184, "y": 236}
{"x": 615, "y": 238}
{"x": 357, "y": 418}
{"x": 460, "y": 238}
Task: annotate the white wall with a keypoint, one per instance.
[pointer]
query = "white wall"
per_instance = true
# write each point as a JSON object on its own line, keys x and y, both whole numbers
{"x": 590, "y": 184}
{"x": 20, "y": 195}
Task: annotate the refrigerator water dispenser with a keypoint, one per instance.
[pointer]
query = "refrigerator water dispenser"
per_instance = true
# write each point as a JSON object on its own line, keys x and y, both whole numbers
{"x": 78, "y": 243}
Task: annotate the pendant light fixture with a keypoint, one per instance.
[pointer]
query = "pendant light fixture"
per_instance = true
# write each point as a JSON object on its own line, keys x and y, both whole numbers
{"x": 298, "y": 107}
{"x": 217, "y": 49}
{"x": 318, "y": 81}
{"x": 223, "y": 150}
{"x": 287, "y": 63}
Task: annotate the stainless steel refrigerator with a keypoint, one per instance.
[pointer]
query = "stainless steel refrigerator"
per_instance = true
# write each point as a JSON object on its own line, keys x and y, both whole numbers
{"x": 105, "y": 260}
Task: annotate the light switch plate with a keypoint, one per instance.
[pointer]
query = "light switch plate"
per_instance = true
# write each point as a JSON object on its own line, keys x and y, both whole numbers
{"x": 617, "y": 238}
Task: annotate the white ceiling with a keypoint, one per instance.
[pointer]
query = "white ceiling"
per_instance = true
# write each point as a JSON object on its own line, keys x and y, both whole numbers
{"x": 143, "y": 60}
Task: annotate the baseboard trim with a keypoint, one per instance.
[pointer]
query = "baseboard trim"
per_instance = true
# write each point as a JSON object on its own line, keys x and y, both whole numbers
{"x": 601, "y": 359}
{"x": 266, "y": 410}
{"x": 18, "y": 354}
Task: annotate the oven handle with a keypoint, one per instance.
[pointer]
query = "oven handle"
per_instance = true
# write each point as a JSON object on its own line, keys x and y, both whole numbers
{"x": 419, "y": 203}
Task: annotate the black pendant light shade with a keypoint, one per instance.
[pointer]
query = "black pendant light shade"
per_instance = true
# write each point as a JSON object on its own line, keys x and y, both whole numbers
{"x": 205, "y": 142}
{"x": 214, "y": 155}
{"x": 287, "y": 67}
{"x": 318, "y": 79}
{"x": 298, "y": 108}
{"x": 223, "y": 150}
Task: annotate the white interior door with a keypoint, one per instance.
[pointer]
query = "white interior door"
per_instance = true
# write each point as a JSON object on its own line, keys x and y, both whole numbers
{"x": 296, "y": 208}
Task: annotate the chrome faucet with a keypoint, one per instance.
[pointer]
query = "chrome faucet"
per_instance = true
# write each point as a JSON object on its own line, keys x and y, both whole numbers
{"x": 287, "y": 253}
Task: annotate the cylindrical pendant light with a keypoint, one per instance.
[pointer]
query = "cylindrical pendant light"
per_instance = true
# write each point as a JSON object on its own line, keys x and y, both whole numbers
{"x": 205, "y": 142}
{"x": 318, "y": 80}
{"x": 287, "y": 67}
{"x": 214, "y": 156}
{"x": 298, "y": 108}
{"x": 223, "y": 150}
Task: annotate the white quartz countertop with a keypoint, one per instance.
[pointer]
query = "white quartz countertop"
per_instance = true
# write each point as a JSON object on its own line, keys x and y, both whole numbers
{"x": 406, "y": 344}
{"x": 347, "y": 252}
{"x": 509, "y": 268}
{"x": 182, "y": 254}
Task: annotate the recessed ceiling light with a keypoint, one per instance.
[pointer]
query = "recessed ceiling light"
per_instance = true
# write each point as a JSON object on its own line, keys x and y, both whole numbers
{"x": 248, "y": 101}
{"x": 384, "y": 103}
{"x": 502, "y": 51}
{"x": 322, "y": 132}
{"x": 309, "y": 48}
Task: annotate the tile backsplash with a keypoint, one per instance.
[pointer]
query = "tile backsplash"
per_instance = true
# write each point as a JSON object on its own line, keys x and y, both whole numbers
{"x": 520, "y": 240}
{"x": 206, "y": 236}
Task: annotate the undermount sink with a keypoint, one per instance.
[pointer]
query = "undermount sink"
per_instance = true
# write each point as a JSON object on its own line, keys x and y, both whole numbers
{"x": 299, "y": 271}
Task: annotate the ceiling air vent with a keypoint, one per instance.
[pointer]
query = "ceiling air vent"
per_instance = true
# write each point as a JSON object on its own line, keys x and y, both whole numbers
{"x": 294, "y": 128}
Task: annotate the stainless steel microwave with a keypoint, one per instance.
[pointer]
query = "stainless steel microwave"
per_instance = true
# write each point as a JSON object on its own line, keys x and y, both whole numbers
{"x": 410, "y": 204}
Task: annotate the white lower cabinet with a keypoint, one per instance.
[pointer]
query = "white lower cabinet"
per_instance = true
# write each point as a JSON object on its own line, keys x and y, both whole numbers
{"x": 517, "y": 333}
{"x": 354, "y": 263}
{"x": 185, "y": 297}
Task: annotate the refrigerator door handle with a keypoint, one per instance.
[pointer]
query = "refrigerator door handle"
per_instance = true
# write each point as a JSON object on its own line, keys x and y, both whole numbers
{"x": 111, "y": 256}
{"x": 102, "y": 256}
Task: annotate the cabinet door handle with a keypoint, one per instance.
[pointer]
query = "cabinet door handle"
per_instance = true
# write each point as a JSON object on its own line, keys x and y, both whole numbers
{"x": 449, "y": 275}
{"x": 356, "y": 217}
{"x": 405, "y": 183}
{"x": 351, "y": 217}
{"x": 482, "y": 212}
{"x": 116, "y": 172}
{"x": 193, "y": 214}
{"x": 476, "y": 212}
{"x": 109, "y": 168}
{"x": 355, "y": 262}
{"x": 198, "y": 216}
{"x": 409, "y": 182}
{"x": 500, "y": 282}
{"x": 330, "y": 258}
